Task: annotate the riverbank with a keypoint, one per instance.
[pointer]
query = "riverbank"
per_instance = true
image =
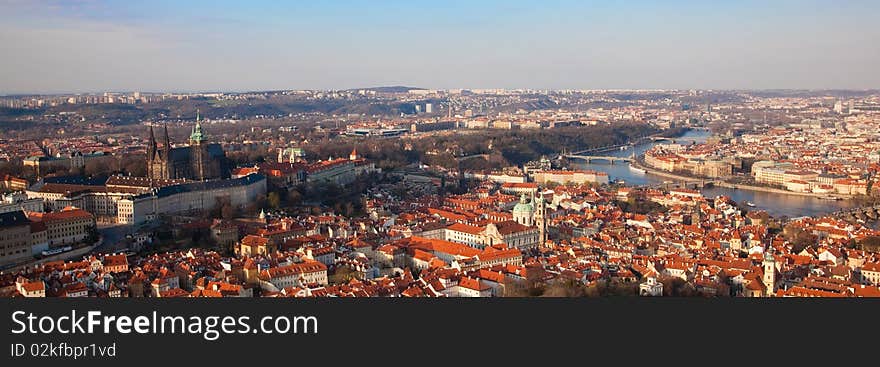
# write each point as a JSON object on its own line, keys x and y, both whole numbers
{"x": 637, "y": 163}
{"x": 781, "y": 191}
{"x": 667, "y": 134}
{"x": 76, "y": 253}
{"x": 776, "y": 204}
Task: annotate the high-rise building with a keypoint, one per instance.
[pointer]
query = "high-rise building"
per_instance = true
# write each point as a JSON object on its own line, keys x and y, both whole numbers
{"x": 429, "y": 108}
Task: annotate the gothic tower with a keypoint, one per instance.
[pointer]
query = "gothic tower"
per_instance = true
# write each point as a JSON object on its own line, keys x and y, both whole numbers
{"x": 164, "y": 170}
{"x": 201, "y": 160}
{"x": 199, "y": 155}
{"x": 152, "y": 148}
{"x": 167, "y": 143}
{"x": 156, "y": 159}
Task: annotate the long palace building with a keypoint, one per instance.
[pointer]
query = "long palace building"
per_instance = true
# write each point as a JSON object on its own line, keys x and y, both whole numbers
{"x": 135, "y": 200}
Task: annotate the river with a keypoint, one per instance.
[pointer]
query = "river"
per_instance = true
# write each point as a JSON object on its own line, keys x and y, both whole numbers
{"x": 775, "y": 204}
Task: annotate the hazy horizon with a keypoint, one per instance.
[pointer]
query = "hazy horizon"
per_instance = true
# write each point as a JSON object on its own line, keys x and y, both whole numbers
{"x": 97, "y": 92}
{"x": 93, "y": 46}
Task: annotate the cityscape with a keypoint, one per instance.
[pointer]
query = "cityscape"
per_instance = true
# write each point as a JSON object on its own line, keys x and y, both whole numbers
{"x": 458, "y": 150}
{"x": 443, "y": 193}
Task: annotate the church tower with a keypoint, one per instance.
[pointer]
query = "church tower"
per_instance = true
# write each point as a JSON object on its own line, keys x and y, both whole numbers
{"x": 196, "y": 137}
{"x": 167, "y": 143}
{"x": 769, "y": 272}
{"x": 164, "y": 167}
{"x": 540, "y": 218}
{"x": 157, "y": 165}
{"x": 199, "y": 154}
{"x": 152, "y": 147}
{"x": 200, "y": 161}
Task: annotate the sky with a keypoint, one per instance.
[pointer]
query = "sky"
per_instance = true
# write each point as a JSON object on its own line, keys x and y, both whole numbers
{"x": 77, "y": 46}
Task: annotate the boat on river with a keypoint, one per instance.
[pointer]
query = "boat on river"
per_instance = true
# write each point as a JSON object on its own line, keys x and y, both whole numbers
{"x": 639, "y": 170}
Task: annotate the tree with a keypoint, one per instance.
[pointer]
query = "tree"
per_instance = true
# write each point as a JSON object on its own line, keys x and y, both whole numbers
{"x": 97, "y": 166}
{"x": 10, "y": 168}
{"x": 348, "y": 209}
{"x": 612, "y": 288}
{"x": 799, "y": 238}
{"x": 640, "y": 206}
{"x": 134, "y": 165}
{"x": 256, "y": 206}
{"x": 217, "y": 210}
{"x": 870, "y": 243}
{"x": 227, "y": 211}
{"x": 565, "y": 288}
{"x": 294, "y": 197}
{"x": 273, "y": 200}
{"x": 343, "y": 274}
{"x": 673, "y": 286}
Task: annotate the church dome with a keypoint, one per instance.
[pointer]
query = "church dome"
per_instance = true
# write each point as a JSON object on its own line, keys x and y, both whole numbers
{"x": 523, "y": 207}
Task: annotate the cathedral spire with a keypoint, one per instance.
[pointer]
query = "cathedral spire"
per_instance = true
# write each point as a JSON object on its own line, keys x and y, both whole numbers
{"x": 167, "y": 142}
{"x": 196, "y": 137}
{"x": 151, "y": 146}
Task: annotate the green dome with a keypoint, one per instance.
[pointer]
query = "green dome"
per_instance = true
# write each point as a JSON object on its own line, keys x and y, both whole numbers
{"x": 523, "y": 206}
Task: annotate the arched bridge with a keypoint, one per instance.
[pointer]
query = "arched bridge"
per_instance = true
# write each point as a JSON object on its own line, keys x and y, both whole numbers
{"x": 591, "y": 158}
{"x": 695, "y": 184}
{"x": 673, "y": 140}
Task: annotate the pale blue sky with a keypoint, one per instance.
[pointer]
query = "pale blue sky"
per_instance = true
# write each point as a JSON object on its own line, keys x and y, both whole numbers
{"x": 93, "y": 45}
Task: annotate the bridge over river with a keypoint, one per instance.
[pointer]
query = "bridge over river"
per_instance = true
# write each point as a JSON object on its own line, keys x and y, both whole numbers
{"x": 676, "y": 140}
{"x": 590, "y": 158}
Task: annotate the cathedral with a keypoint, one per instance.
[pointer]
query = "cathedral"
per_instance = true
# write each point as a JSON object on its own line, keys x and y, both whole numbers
{"x": 199, "y": 161}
